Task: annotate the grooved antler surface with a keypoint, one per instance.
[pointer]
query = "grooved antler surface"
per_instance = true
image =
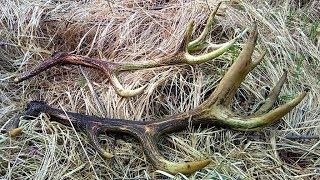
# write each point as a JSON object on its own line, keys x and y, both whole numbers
{"x": 214, "y": 111}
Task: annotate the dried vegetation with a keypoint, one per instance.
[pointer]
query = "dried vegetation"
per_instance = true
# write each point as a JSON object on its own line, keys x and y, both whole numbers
{"x": 128, "y": 31}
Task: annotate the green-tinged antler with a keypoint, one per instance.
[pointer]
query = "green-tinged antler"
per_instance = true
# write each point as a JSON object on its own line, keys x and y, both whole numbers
{"x": 111, "y": 69}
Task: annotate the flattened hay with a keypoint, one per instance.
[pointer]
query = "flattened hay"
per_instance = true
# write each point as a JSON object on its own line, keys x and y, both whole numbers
{"x": 154, "y": 63}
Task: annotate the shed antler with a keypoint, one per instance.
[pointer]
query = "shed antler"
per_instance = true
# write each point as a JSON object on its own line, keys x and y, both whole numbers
{"x": 111, "y": 69}
{"x": 214, "y": 111}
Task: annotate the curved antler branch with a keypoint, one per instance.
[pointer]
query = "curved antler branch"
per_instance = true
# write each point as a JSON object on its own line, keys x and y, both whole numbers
{"x": 151, "y": 150}
{"x": 273, "y": 95}
{"x": 226, "y": 89}
{"x": 192, "y": 59}
{"x": 201, "y": 42}
{"x": 182, "y": 56}
{"x": 122, "y": 91}
{"x": 63, "y": 59}
{"x": 225, "y": 118}
{"x": 92, "y": 134}
{"x": 204, "y": 34}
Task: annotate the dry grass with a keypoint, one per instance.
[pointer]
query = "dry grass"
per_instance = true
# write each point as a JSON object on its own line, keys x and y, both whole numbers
{"x": 134, "y": 30}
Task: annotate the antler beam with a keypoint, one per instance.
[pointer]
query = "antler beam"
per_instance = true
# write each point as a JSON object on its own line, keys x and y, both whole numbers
{"x": 214, "y": 111}
{"x": 111, "y": 69}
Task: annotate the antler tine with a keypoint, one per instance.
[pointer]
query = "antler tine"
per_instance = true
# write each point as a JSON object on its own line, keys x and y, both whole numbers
{"x": 198, "y": 59}
{"x": 257, "y": 122}
{"x": 200, "y": 43}
{"x": 122, "y": 91}
{"x": 92, "y": 134}
{"x": 204, "y": 34}
{"x": 187, "y": 37}
{"x": 225, "y": 91}
{"x": 268, "y": 103}
{"x": 151, "y": 150}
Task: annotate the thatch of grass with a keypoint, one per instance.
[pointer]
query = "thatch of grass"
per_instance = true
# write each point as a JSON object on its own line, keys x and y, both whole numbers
{"x": 136, "y": 30}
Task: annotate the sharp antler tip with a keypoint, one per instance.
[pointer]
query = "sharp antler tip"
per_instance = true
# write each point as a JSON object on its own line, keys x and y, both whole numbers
{"x": 107, "y": 155}
{"x": 16, "y": 80}
{"x": 254, "y": 32}
{"x": 206, "y": 162}
{"x": 300, "y": 97}
{"x": 199, "y": 164}
{"x": 191, "y": 24}
{"x": 187, "y": 167}
{"x": 15, "y": 132}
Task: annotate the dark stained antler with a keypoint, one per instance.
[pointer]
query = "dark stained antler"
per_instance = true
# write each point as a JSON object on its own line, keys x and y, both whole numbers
{"x": 181, "y": 56}
{"x": 214, "y": 111}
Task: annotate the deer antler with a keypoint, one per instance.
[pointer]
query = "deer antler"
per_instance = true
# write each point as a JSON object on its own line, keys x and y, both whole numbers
{"x": 111, "y": 69}
{"x": 214, "y": 111}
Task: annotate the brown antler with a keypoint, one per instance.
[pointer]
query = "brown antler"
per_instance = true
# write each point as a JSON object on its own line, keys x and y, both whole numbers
{"x": 182, "y": 56}
{"x": 214, "y": 111}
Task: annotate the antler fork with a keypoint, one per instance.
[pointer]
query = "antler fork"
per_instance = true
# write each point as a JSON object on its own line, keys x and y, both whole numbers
{"x": 213, "y": 111}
